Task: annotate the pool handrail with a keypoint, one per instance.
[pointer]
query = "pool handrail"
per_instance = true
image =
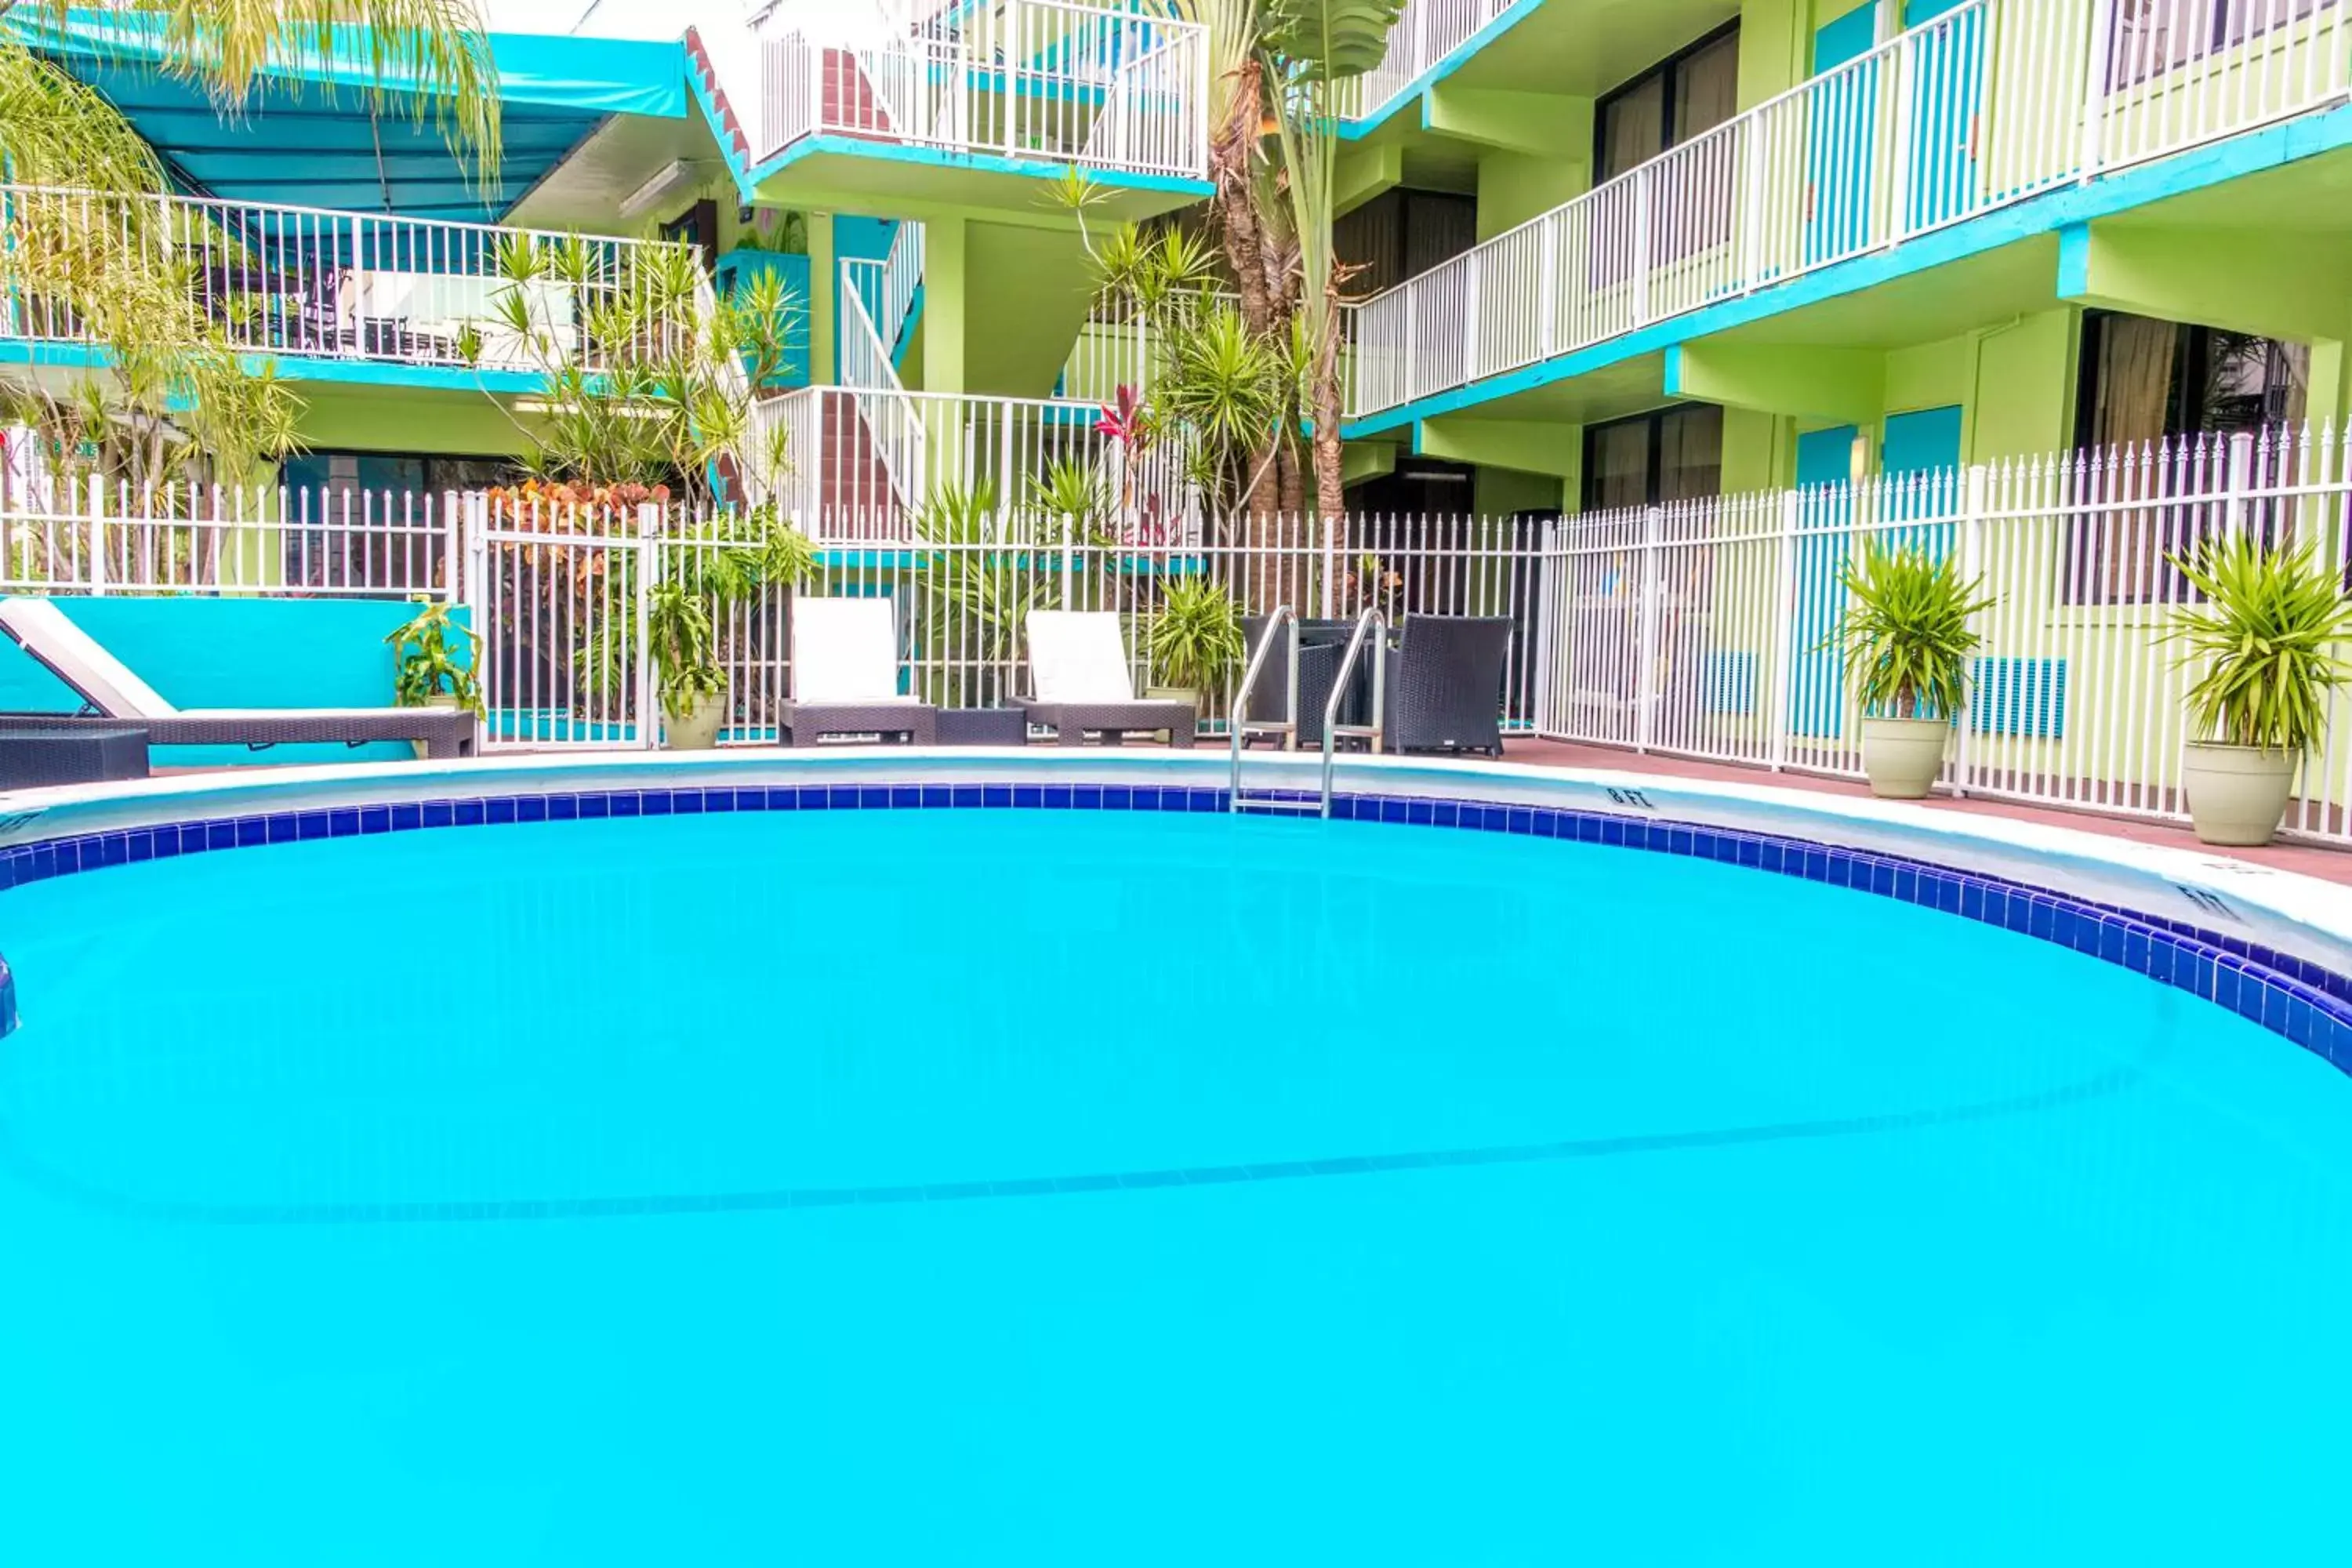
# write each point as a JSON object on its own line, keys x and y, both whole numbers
{"x": 1332, "y": 728}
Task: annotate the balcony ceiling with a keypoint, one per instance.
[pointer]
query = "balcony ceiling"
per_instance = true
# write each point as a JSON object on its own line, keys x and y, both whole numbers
{"x": 308, "y": 137}
{"x": 1584, "y": 47}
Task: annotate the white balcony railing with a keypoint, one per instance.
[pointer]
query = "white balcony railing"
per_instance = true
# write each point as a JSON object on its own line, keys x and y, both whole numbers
{"x": 1093, "y": 85}
{"x": 1427, "y": 31}
{"x": 299, "y": 280}
{"x": 1985, "y": 105}
{"x": 869, "y": 463}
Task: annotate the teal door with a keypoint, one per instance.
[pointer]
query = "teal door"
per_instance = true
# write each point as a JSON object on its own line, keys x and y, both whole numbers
{"x": 1947, "y": 65}
{"x": 1825, "y": 516}
{"x": 1922, "y": 463}
{"x": 1843, "y": 133}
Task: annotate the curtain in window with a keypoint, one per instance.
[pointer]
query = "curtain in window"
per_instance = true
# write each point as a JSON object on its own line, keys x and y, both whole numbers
{"x": 1632, "y": 128}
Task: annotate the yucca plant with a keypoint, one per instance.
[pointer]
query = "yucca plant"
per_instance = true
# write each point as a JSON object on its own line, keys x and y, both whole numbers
{"x": 1906, "y": 635}
{"x": 1196, "y": 639}
{"x": 2260, "y": 644}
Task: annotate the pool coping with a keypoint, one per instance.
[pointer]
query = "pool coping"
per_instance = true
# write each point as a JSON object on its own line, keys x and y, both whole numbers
{"x": 2273, "y": 946}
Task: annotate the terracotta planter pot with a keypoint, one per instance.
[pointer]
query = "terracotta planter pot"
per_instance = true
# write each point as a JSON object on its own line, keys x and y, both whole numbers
{"x": 2236, "y": 794}
{"x": 1903, "y": 757}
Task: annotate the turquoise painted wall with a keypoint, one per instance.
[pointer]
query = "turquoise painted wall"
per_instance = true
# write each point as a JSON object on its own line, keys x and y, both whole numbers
{"x": 233, "y": 653}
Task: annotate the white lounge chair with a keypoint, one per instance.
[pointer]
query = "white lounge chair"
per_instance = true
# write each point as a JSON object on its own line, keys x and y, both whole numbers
{"x": 846, "y": 675}
{"x": 1080, "y": 678}
{"x": 110, "y": 688}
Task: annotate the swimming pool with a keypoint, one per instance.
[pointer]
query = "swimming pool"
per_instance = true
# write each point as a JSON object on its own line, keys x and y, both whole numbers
{"x": 746, "y": 1181}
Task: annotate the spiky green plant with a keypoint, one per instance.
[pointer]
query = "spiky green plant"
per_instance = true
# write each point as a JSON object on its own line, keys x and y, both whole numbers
{"x": 1905, "y": 634}
{"x": 1196, "y": 637}
{"x": 2262, "y": 644}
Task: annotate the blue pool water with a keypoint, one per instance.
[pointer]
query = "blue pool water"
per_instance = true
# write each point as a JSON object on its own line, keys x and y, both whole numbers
{"x": 619, "y": 1192}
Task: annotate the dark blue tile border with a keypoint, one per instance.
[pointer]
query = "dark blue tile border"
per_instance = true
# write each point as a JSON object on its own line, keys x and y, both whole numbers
{"x": 2302, "y": 1001}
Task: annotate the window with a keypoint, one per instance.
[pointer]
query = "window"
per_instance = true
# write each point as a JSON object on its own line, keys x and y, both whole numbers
{"x": 2143, "y": 379}
{"x": 1667, "y": 455}
{"x": 2152, "y": 37}
{"x": 1402, "y": 234}
{"x": 1681, "y": 97}
{"x": 2171, "y": 394}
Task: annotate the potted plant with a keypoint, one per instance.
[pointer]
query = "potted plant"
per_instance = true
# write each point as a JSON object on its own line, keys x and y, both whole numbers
{"x": 2260, "y": 645}
{"x": 692, "y": 685}
{"x": 1195, "y": 641}
{"x": 1907, "y": 644}
{"x": 715, "y": 567}
{"x": 428, "y": 671}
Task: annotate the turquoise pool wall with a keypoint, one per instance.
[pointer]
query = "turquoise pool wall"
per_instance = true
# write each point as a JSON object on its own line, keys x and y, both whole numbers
{"x": 233, "y": 653}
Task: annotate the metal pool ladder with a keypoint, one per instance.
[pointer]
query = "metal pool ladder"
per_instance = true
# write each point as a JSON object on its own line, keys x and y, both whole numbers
{"x": 1243, "y": 726}
{"x": 1372, "y": 620}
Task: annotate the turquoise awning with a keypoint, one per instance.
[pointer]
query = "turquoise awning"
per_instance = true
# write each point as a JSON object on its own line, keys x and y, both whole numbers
{"x": 308, "y": 134}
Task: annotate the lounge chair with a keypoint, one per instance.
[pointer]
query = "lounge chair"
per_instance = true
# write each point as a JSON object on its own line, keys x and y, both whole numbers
{"x": 109, "y": 687}
{"x": 1078, "y": 673}
{"x": 1445, "y": 684}
{"x": 845, "y": 676}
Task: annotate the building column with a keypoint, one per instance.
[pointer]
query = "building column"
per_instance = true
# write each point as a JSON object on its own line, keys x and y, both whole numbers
{"x": 946, "y": 256}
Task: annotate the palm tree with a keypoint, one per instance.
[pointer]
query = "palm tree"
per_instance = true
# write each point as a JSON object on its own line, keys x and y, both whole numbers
{"x": 1309, "y": 46}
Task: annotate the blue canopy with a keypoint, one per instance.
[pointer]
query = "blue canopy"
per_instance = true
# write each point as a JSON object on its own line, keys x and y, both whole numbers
{"x": 312, "y": 136}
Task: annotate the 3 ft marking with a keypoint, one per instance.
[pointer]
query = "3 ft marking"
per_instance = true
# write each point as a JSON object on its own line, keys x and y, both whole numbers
{"x": 9, "y": 825}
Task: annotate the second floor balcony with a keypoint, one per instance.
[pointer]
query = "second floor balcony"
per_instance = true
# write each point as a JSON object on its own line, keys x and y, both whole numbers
{"x": 1983, "y": 107}
{"x": 1014, "y": 86}
{"x": 327, "y": 293}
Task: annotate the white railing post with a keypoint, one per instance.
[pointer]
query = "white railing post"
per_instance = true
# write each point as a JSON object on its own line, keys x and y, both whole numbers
{"x": 648, "y": 693}
{"x": 1324, "y": 591}
{"x": 1968, "y": 553}
{"x": 1069, "y": 558}
{"x": 1748, "y": 195}
{"x": 2091, "y": 151}
{"x": 1902, "y": 64}
{"x": 1548, "y": 281}
{"x": 2241, "y": 480}
{"x": 1784, "y": 628}
{"x": 1473, "y": 321}
{"x": 1647, "y": 693}
{"x": 97, "y": 535}
{"x": 1639, "y": 272}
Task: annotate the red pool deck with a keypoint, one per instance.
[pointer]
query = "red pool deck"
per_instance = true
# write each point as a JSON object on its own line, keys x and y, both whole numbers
{"x": 2311, "y": 860}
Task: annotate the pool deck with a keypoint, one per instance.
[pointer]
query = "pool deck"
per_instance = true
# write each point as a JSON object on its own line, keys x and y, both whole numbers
{"x": 2310, "y": 861}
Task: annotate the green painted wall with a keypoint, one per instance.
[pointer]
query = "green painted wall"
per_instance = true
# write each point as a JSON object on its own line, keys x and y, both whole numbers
{"x": 1498, "y": 492}
{"x": 1758, "y": 451}
{"x": 406, "y": 419}
{"x": 2022, "y": 395}
{"x": 1515, "y": 186}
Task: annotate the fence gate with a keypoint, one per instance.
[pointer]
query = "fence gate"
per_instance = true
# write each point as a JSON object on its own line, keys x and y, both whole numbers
{"x": 559, "y": 594}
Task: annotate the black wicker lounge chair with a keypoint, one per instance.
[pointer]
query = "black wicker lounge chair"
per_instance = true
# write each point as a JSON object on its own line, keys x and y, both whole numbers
{"x": 846, "y": 675}
{"x": 1081, "y": 683}
{"x": 107, "y": 687}
{"x": 1445, "y": 684}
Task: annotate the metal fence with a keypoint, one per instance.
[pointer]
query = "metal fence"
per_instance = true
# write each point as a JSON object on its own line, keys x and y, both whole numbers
{"x": 1704, "y": 628}
{"x": 92, "y": 537}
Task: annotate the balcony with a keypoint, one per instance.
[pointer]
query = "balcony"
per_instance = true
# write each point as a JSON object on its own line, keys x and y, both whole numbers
{"x": 1981, "y": 108}
{"x": 1426, "y": 32}
{"x": 331, "y": 295}
{"x": 893, "y": 101}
